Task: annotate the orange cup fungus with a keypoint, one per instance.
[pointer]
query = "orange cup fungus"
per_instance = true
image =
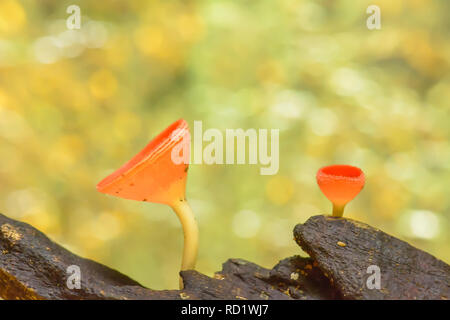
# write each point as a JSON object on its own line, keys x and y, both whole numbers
{"x": 340, "y": 184}
{"x": 158, "y": 174}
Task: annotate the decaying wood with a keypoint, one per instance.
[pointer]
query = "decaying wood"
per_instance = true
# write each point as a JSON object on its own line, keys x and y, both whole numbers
{"x": 34, "y": 267}
{"x": 344, "y": 249}
{"x": 291, "y": 278}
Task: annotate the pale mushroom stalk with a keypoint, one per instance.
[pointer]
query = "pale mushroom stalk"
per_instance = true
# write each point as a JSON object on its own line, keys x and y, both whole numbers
{"x": 190, "y": 231}
{"x": 338, "y": 210}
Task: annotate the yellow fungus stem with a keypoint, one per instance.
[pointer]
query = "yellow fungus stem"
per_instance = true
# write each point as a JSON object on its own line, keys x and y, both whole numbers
{"x": 338, "y": 210}
{"x": 190, "y": 231}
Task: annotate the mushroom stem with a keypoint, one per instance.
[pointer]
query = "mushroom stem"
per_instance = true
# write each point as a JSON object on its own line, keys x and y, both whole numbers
{"x": 338, "y": 210}
{"x": 190, "y": 230}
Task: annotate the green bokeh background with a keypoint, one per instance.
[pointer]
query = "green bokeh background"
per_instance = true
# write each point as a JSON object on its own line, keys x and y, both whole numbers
{"x": 75, "y": 105}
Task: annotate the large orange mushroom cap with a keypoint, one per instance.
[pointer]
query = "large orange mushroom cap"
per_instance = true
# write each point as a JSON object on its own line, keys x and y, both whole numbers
{"x": 153, "y": 175}
{"x": 340, "y": 183}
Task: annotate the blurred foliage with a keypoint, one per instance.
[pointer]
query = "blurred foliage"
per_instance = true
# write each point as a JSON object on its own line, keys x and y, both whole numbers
{"x": 75, "y": 105}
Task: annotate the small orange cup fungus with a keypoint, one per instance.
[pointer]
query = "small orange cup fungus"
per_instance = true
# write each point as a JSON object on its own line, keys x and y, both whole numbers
{"x": 158, "y": 174}
{"x": 340, "y": 184}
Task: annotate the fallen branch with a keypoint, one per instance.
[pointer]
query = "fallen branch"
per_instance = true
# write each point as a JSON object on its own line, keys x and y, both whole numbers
{"x": 34, "y": 267}
{"x": 344, "y": 249}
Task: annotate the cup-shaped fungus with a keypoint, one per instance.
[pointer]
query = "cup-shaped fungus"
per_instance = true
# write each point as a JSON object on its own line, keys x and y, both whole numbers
{"x": 340, "y": 184}
{"x": 158, "y": 174}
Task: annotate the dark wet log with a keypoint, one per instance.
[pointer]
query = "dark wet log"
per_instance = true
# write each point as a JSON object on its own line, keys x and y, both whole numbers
{"x": 344, "y": 249}
{"x": 34, "y": 267}
{"x": 291, "y": 278}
